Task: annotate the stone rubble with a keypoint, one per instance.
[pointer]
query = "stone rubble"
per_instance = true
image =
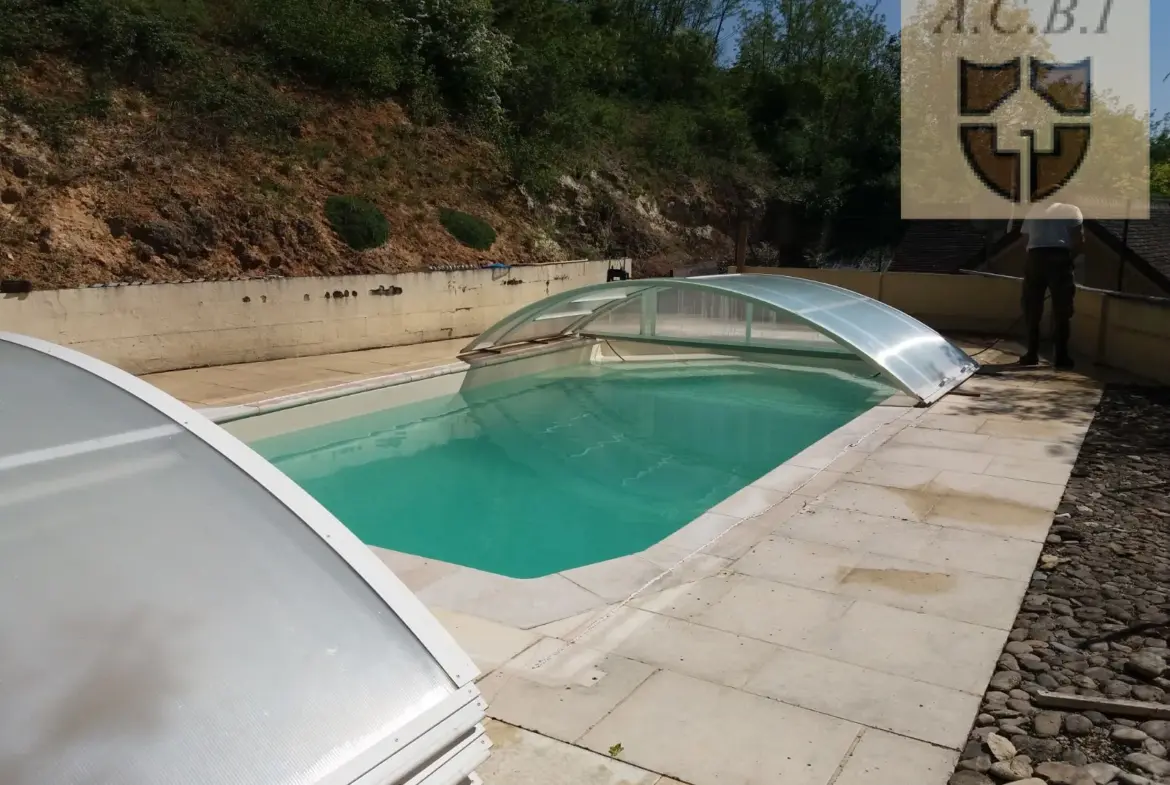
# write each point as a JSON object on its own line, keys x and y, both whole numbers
{"x": 1105, "y": 567}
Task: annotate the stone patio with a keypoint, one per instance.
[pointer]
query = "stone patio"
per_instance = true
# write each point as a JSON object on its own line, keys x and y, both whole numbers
{"x": 232, "y": 385}
{"x": 838, "y": 625}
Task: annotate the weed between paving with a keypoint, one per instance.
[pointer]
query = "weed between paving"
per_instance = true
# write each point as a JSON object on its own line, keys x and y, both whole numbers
{"x": 1105, "y": 567}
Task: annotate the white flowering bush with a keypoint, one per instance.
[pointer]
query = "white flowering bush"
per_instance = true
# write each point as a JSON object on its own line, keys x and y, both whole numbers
{"x": 443, "y": 55}
{"x": 453, "y": 48}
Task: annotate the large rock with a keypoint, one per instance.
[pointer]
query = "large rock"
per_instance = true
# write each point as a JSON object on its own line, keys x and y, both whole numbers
{"x": 1126, "y": 778}
{"x": 1000, "y": 748}
{"x": 1047, "y": 724}
{"x": 1146, "y": 665}
{"x": 965, "y": 777}
{"x": 1102, "y": 773}
{"x": 1064, "y": 773}
{"x": 1131, "y": 737}
{"x": 1005, "y": 681}
{"x": 1038, "y": 749}
{"x": 1018, "y": 768}
{"x": 1157, "y": 729}
{"x": 1149, "y": 764}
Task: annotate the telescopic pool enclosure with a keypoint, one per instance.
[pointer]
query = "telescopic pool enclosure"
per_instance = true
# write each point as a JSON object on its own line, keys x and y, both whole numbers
{"x": 776, "y": 313}
{"x": 174, "y": 609}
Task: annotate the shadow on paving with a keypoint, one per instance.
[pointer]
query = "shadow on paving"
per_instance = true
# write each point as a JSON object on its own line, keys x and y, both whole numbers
{"x": 1105, "y": 567}
{"x": 1034, "y": 402}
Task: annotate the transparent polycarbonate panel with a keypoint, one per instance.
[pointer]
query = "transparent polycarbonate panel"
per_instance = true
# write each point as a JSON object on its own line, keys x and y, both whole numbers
{"x": 164, "y": 617}
{"x": 773, "y": 328}
{"x": 623, "y": 319}
{"x": 594, "y": 299}
{"x": 700, "y": 315}
{"x": 920, "y": 360}
{"x": 101, "y": 412}
{"x": 713, "y": 308}
{"x": 535, "y": 330}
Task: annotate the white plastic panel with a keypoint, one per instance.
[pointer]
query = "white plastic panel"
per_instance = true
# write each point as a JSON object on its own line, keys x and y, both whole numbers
{"x": 764, "y": 311}
{"x": 167, "y": 619}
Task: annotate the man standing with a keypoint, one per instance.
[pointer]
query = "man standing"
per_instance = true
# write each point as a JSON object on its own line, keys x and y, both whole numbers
{"x": 1056, "y": 237}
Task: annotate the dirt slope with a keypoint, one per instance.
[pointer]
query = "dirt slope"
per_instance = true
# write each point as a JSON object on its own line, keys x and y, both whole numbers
{"x": 127, "y": 200}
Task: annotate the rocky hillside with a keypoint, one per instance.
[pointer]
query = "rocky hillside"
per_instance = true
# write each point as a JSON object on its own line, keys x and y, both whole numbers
{"x": 128, "y": 200}
{"x": 177, "y": 139}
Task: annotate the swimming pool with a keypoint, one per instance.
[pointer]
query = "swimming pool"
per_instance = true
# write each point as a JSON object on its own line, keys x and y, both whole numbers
{"x": 567, "y": 467}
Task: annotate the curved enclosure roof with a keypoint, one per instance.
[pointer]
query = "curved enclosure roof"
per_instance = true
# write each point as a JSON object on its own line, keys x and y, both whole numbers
{"x": 175, "y": 609}
{"x": 776, "y": 312}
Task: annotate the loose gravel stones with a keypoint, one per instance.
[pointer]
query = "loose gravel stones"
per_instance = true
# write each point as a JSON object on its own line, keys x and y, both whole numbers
{"x": 1105, "y": 566}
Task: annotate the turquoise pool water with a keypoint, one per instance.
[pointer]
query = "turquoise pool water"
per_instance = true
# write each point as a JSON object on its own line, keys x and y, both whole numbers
{"x": 557, "y": 470}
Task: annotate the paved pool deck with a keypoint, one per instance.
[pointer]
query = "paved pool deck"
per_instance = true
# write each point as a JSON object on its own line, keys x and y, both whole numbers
{"x": 837, "y": 626}
{"x": 244, "y": 383}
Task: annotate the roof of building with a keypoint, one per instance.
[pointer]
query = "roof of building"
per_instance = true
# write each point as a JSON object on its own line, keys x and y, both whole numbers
{"x": 1148, "y": 239}
{"x": 938, "y": 246}
{"x": 951, "y": 246}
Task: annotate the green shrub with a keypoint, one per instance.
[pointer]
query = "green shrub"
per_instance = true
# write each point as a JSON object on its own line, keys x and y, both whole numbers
{"x": 350, "y": 45}
{"x": 216, "y": 105}
{"x": 357, "y": 222}
{"x": 468, "y": 229}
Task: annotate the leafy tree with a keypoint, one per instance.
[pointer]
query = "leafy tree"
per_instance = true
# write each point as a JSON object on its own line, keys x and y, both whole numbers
{"x": 822, "y": 94}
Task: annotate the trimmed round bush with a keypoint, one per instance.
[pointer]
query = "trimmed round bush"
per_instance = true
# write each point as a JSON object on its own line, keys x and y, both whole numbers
{"x": 468, "y": 229}
{"x": 358, "y": 223}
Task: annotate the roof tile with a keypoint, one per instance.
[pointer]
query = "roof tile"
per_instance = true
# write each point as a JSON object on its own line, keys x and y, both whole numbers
{"x": 938, "y": 246}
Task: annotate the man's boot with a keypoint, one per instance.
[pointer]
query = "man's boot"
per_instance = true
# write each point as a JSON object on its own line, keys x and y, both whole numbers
{"x": 1032, "y": 355}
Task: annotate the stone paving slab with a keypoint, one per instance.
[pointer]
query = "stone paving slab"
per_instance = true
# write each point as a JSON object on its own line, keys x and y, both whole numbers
{"x": 230, "y": 385}
{"x": 520, "y": 757}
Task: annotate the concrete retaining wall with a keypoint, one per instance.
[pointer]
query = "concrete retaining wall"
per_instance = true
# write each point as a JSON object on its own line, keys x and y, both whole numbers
{"x": 1122, "y": 331}
{"x": 164, "y": 327}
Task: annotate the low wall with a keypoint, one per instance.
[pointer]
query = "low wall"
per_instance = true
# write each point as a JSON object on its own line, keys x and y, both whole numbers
{"x": 1122, "y": 331}
{"x": 164, "y": 327}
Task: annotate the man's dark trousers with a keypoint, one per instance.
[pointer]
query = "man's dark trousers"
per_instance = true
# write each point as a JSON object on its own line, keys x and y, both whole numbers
{"x": 1049, "y": 270}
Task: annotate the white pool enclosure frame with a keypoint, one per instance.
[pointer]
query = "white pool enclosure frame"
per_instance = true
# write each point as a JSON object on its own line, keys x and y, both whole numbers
{"x": 175, "y": 609}
{"x": 775, "y": 313}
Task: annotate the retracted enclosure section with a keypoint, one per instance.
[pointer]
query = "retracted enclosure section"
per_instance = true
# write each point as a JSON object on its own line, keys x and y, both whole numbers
{"x": 769, "y": 312}
{"x": 174, "y": 609}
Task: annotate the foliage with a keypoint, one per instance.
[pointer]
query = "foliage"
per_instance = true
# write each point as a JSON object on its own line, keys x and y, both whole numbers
{"x": 467, "y": 229}
{"x": 1160, "y": 178}
{"x": 823, "y": 95}
{"x": 1160, "y": 157}
{"x": 360, "y": 224}
{"x": 805, "y": 106}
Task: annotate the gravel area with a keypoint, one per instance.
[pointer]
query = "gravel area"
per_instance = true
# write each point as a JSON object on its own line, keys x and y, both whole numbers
{"x": 1105, "y": 568}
